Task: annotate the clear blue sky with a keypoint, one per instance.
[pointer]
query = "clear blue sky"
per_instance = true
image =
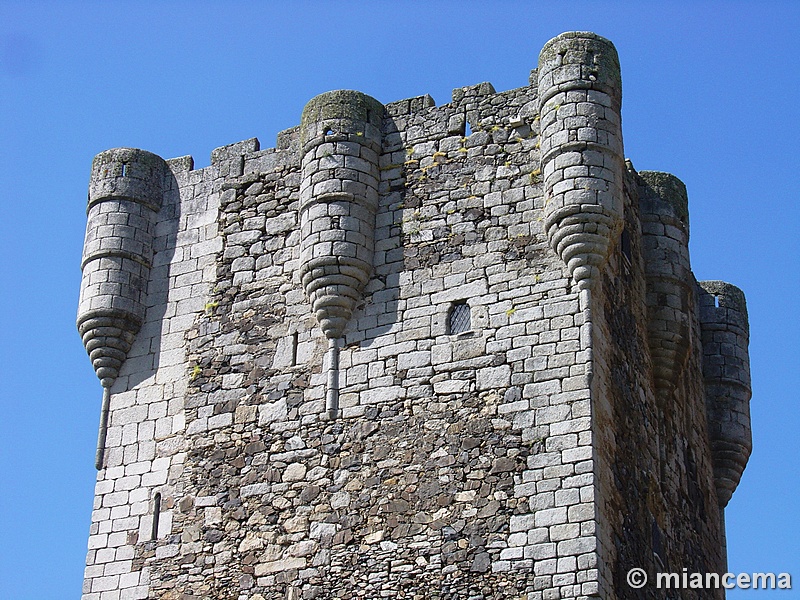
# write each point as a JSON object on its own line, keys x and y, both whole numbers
{"x": 711, "y": 94}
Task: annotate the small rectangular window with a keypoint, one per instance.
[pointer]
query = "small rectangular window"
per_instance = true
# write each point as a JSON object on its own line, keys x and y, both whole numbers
{"x": 459, "y": 320}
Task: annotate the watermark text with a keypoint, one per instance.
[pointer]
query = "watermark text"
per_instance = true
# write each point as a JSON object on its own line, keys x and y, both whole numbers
{"x": 638, "y": 578}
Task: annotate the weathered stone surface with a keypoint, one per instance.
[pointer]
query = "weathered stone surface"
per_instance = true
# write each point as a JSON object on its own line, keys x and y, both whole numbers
{"x": 295, "y": 472}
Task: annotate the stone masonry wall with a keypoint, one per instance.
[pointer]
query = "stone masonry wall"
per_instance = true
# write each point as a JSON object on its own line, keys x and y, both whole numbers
{"x": 144, "y": 446}
{"x": 447, "y": 444}
{"x": 657, "y": 504}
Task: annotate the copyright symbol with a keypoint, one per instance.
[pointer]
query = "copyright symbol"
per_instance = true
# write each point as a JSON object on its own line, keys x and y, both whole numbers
{"x": 637, "y": 578}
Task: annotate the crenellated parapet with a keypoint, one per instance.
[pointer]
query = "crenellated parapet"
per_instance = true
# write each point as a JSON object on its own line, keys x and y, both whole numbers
{"x": 341, "y": 141}
{"x": 580, "y": 95}
{"x": 664, "y": 214}
{"x": 726, "y": 371}
{"x": 125, "y": 193}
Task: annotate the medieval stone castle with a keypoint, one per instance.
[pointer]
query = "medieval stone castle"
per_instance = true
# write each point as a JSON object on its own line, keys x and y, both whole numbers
{"x": 413, "y": 351}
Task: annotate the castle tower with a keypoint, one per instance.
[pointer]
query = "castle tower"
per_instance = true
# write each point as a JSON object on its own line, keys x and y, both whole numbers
{"x": 396, "y": 356}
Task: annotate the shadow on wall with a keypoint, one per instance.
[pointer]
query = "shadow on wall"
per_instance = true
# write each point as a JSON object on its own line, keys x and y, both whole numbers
{"x": 145, "y": 355}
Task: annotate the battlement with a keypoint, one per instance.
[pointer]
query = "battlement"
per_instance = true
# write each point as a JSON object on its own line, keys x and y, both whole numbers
{"x": 410, "y": 351}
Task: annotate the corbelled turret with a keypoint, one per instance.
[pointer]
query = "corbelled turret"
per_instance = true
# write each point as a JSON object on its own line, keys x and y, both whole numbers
{"x": 726, "y": 370}
{"x": 125, "y": 193}
{"x": 340, "y": 133}
{"x": 580, "y": 96}
{"x": 341, "y": 137}
{"x": 663, "y": 207}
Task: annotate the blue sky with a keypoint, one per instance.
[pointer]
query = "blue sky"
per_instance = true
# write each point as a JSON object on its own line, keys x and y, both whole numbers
{"x": 711, "y": 93}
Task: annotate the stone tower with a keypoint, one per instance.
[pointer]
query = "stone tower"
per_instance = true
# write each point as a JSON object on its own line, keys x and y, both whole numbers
{"x": 413, "y": 351}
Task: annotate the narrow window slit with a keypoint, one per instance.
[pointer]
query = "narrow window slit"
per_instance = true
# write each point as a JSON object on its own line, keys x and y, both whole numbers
{"x": 124, "y": 169}
{"x": 716, "y": 300}
{"x": 294, "y": 349}
{"x": 156, "y": 515}
{"x": 658, "y": 545}
{"x": 625, "y": 246}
